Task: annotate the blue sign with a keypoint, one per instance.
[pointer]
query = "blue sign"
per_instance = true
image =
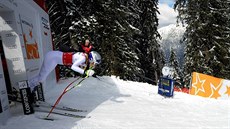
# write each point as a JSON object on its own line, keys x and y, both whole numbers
{"x": 166, "y": 86}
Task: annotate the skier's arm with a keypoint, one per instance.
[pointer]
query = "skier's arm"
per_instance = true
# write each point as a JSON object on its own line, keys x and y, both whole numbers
{"x": 76, "y": 65}
{"x": 81, "y": 60}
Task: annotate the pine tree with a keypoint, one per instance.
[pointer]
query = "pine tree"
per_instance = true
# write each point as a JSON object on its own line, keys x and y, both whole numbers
{"x": 113, "y": 26}
{"x": 115, "y": 32}
{"x": 59, "y": 22}
{"x": 173, "y": 62}
{"x": 149, "y": 52}
{"x": 207, "y": 36}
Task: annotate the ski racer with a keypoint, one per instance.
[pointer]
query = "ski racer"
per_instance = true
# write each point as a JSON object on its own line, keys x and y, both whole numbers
{"x": 75, "y": 60}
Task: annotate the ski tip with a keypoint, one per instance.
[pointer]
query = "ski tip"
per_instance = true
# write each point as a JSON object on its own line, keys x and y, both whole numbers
{"x": 45, "y": 118}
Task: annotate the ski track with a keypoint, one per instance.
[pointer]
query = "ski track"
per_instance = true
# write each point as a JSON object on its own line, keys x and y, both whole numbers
{"x": 116, "y": 104}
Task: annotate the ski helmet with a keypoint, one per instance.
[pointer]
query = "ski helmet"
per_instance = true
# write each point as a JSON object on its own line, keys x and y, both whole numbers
{"x": 94, "y": 57}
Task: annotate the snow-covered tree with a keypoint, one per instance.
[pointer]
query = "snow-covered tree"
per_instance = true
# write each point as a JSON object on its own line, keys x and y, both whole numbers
{"x": 113, "y": 26}
{"x": 114, "y": 34}
{"x": 59, "y": 22}
{"x": 173, "y": 62}
{"x": 148, "y": 47}
{"x": 207, "y": 36}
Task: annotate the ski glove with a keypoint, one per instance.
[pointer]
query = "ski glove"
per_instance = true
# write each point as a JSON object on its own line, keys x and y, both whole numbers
{"x": 89, "y": 72}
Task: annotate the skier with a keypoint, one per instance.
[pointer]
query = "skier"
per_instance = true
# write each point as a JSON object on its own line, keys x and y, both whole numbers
{"x": 75, "y": 60}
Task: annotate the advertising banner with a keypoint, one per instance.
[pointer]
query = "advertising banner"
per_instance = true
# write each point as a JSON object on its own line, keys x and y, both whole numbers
{"x": 31, "y": 47}
{"x": 15, "y": 62}
{"x": 26, "y": 97}
{"x": 29, "y": 36}
{"x": 209, "y": 86}
{"x": 166, "y": 87}
{"x": 12, "y": 48}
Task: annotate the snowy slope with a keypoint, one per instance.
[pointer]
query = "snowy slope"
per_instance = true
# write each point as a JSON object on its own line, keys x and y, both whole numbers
{"x": 116, "y": 104}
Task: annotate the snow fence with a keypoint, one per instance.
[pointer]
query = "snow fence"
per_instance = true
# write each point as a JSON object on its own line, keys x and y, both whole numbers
{"x": 209, "y": 86}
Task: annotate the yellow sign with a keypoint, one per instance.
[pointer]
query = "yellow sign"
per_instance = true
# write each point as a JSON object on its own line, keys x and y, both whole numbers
{"x": 209, "y": 86}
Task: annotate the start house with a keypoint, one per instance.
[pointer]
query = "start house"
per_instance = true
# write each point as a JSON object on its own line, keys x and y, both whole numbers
{"x": 25, "y": 37}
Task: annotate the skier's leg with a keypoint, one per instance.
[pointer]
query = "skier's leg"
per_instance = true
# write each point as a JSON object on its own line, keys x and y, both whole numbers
{"x": 50, "y": 62}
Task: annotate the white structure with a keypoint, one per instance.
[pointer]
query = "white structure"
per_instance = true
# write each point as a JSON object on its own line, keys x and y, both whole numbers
{"x": 4, "y": 104}
{"x": 26, "y": 38}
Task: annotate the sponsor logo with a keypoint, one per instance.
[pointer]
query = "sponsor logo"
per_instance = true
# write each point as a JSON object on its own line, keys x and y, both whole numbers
{"x": 164, "y": 90}
{"x": 161, "y": 89}
{"x": 18, "y": 71}
{"x": 26, "y": 101}
{"x": 209, "y": 86}
{"x": 45, "y": 23}
{"x": 14, "y": 46}
{"x": 31, "y": 48}
{"x": 32, "y": 51}
{"x": 27, "y": 23}
{"x": 165, "y": 82}
{"x": 11, "y": 35}
{"x": 35, "y": 69}
{"x": 15, "y": 59}
{"x": 22, "y": 85}
{"x": 40, "y": 93}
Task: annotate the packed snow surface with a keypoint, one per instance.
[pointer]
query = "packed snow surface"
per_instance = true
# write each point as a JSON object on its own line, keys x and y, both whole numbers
{"x": 116, "y": 104}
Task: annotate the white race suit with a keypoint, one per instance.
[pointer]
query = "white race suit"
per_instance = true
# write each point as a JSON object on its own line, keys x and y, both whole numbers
{"x": 53, "y": 58}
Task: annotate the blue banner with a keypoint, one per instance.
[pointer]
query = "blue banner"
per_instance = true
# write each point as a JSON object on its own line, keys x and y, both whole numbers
{"x": 166, "y": 86}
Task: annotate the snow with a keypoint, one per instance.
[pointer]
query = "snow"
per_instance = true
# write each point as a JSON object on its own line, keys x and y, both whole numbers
{"x": 116, "y": 104}
{"x": 171, "y": 37}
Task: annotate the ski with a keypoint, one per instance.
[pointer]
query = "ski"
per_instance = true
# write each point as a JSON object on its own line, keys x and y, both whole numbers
{"x": 45, "y": 104}
{"x": 58, "y": 113}
{"x": 45, "y": 118}
{"x": 68, "y": 88}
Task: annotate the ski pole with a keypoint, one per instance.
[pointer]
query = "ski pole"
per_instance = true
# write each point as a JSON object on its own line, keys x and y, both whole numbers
{"x": 64, "y": 91}
{"x": 75, "y": 85}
